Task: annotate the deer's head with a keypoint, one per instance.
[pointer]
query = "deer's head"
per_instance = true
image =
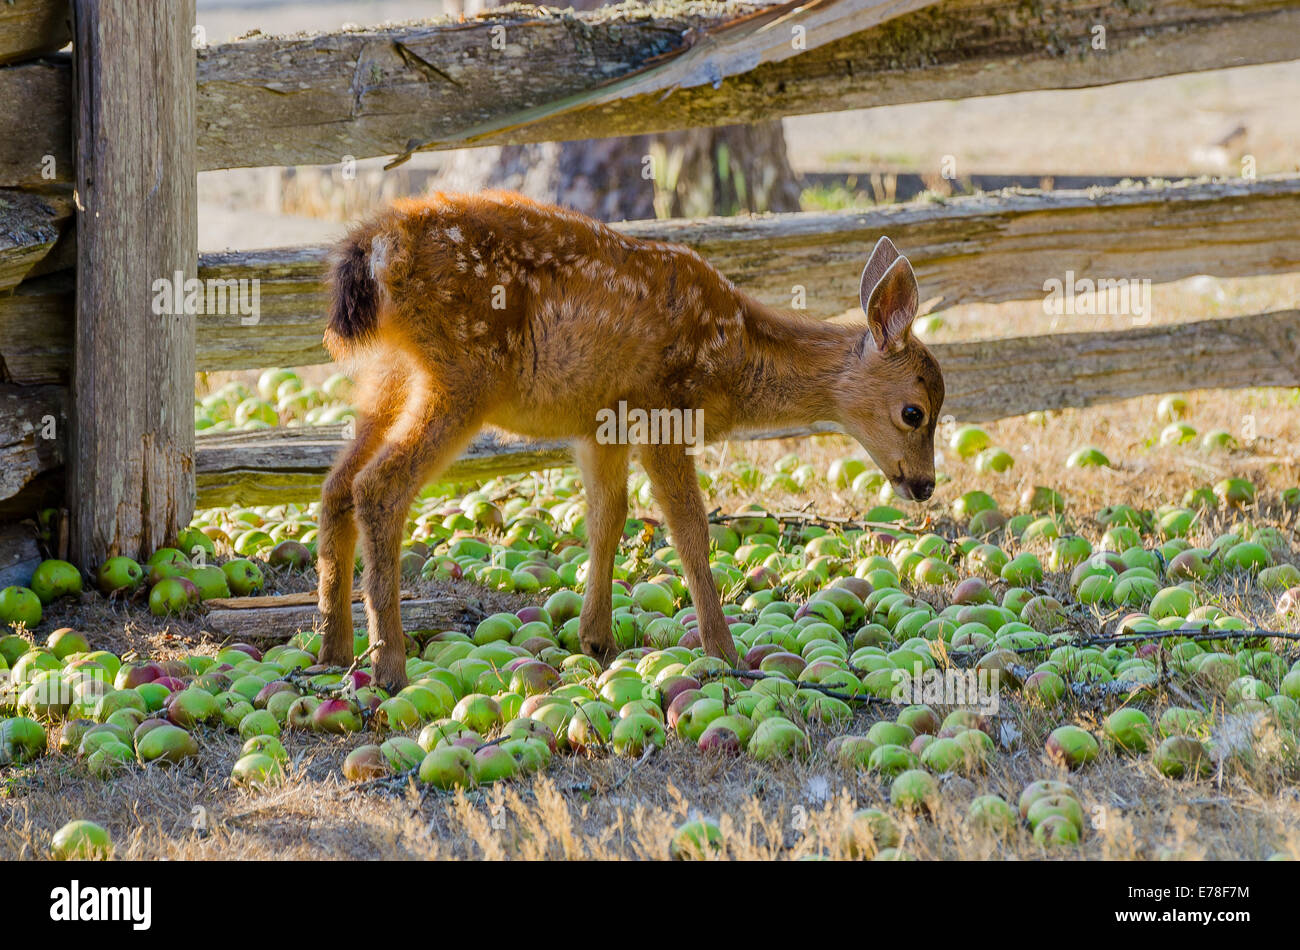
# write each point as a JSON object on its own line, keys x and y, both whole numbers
{"x": 891, "y": 389}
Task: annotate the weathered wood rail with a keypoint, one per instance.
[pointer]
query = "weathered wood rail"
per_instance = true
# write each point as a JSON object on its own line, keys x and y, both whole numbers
{"x": 984, "y": 380}
{"x": 983, "y": 248}
{"x": 315, "y": 99}
{"x": 986, "y": 248}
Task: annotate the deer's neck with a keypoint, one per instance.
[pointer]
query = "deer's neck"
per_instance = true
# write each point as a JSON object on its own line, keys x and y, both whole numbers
{"x": 788, "y": 369}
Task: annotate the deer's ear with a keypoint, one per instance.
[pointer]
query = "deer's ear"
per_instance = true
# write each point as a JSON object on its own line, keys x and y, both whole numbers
{"x": 892, "y": 305}
{"x": 882, "y": 255}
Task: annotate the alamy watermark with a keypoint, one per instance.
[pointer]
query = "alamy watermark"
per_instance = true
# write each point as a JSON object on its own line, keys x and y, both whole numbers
{"x": 1084, "y": 296}
{"x": 77, "y": 902}
{"x": 970, "y": 688}
{"x": 624, "y": 426}
{"x": 215, "y": 295}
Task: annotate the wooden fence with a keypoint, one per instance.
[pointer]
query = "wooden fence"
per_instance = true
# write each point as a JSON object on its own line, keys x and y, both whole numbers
{"x": 96, "y": 385}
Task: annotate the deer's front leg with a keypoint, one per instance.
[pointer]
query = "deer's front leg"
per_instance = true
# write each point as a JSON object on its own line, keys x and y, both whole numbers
{"x": 604, "y": 476}
{"x": 672, "y": 476}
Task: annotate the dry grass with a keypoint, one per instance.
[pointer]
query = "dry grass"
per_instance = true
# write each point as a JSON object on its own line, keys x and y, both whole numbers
{"x": 605, "y": 807}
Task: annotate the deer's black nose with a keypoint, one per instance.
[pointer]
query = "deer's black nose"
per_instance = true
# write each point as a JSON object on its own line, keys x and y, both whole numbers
{"x": 921, "y": 489}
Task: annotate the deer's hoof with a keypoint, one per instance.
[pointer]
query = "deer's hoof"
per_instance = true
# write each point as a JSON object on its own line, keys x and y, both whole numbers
{"x": 604, "y": 651}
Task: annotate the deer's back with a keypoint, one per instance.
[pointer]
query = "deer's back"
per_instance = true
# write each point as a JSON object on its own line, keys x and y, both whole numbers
{"x": 562, "y": 314}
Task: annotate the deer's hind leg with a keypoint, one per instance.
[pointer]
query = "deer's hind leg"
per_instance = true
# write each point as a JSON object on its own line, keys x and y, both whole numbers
{"x": 382, "y": 395}
{"x": 435, "y": 426}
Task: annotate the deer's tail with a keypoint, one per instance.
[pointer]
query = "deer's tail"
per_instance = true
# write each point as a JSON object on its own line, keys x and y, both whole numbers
{"x": 354, "y": 292}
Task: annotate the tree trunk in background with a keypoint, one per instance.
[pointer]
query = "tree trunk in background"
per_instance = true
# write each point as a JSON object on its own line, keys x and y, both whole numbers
{"x": 690, "y": 173}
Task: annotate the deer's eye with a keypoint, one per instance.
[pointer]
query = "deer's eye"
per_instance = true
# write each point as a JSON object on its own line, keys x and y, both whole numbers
{"x": 913, "y": 416}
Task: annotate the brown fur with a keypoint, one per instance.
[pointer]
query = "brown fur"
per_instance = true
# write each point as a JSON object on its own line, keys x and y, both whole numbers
{"x": 492, "y": 309}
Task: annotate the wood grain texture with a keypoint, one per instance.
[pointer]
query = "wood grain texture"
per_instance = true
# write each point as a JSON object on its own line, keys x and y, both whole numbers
{"x": 28, "y": 414}
{"x": 371, "y": 92}
{"x": 36, "y": 123}
{"x": 30, "y": 226}
{"x": 984, "y": 380}
{"x": 31, "y": 27}
{"x": 985, "y": 248}
{"x": 131, "y": 477}
{"x": 37, "y": 321}
{"x": 289, "y": 464}
{"x": 314, "y": 99}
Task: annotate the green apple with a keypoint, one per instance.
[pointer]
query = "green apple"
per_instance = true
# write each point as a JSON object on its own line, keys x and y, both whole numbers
{"x": 19, "y": 605}
{"x": 1056, "y": 830}
{"x": 243, "y": 576}
{"x": 1071, "y": 746}
{"x": 1022, "y": 570}
{"x": 65, "y": 641}
{"x": 259, "y": 722}
{"x": 167, "y": 744}
{"x": 257, "y": 770}
{"x": 493, "y": 764}
{"x": 1182, "y": 757}
{"x": 868, "y": 832}
{"x": 777, "y": 738}
{"x": 1235, "y": 492}
{"x": 210, "y": 581}
{"x": 365, "y": 762}
{"x": 478, "y": 712}
{"x": 402, "y": 753}
{"x": 118, "y": 573}
{"x": 633, "y": 734}
{"x": 590, "y": 727}
{"x": 448, "y": 766}
{"x": 991, "y": 815}
{"x": 969, "y": 441}
{"x": 21, "y": 740}
{"x": 694, "y": 839}
{"x": 172, "y": 595}
{"x": 914, "y": 790}
{"x": 192, "y": 706}
{"x": 891, "y": 760}
{"x": 396, "y": 713}
{"x": 1087, "y": 457}
{"x": 53, "y": 579}
{"x": 1248, "y": 556}
{"x": 1039, "y": 789}
{"x": 1129, "y": 729}
{"x": 81, "y": 840}
{"x": 109, "y": 758}
{"x": 268, "y": 745}
{"x": 1044, "y": 807}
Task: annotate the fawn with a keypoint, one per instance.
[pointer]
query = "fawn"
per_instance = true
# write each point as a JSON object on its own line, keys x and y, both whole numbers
{"x": 492, "y": 309}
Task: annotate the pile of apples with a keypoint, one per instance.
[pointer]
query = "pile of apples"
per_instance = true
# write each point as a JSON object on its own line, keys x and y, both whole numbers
{"x": 827, "y": 621}
{"x": 176, "y": 583}
{"x": 281, "y": 398}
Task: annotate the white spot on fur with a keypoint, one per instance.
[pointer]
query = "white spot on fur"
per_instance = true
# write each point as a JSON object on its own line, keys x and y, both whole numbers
{"x": 379, "y": 251}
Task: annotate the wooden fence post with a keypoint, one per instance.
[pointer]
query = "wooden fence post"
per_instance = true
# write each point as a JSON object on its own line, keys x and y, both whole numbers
{"x": 131, "y": 452}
